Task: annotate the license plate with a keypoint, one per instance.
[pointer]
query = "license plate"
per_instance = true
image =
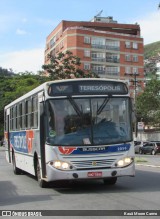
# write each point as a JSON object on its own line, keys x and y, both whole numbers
{"x": 94, "y": 174}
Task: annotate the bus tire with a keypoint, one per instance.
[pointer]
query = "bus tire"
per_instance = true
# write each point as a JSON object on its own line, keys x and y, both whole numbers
{"x": 41, "y": 182}
{"x": 16, "y": 170}
{"x": 110, "y": 181}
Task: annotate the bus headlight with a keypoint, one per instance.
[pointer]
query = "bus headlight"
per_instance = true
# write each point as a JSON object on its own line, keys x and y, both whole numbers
{"x": 124, "y": 162}
{"x": 61, "y": 165}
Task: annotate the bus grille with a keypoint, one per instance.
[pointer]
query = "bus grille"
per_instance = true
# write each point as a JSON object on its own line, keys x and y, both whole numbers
{"x": 92, "y": 164}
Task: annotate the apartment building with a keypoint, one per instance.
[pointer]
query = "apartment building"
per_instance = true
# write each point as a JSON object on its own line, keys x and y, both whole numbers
{"x": 110, "y": 49}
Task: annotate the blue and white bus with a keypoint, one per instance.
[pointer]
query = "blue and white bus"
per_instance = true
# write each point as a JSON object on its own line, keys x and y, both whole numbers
{"x": 70, "y": 130}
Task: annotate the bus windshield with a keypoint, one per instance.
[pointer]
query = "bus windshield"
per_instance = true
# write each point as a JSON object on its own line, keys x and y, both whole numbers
{"x": 88, "y": 121}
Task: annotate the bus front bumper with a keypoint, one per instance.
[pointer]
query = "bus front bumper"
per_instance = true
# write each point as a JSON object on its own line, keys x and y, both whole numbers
{"x": 55, "y": 174}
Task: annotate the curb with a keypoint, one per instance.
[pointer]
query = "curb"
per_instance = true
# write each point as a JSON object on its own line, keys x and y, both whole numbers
{"x": 148, "y": 165}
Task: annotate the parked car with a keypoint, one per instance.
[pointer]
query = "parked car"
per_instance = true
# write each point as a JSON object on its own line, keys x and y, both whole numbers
{"x": 138, "y": 145}
{"x": 152, "y": 147}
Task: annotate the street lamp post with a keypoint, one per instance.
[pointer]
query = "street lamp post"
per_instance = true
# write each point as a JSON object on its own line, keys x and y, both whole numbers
{"x": 135, "y": 74}
{"x": 135, "y": 96}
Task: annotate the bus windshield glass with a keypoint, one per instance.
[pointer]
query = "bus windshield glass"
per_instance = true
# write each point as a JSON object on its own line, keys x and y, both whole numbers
{"x": 88, "y": 121}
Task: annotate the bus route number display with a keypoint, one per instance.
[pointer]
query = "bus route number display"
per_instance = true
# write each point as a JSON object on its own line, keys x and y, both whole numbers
{"x": 87, "y": 87}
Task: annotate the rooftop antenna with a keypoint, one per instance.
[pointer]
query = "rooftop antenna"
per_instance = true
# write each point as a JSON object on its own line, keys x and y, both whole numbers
{"x": 99, "y": 14}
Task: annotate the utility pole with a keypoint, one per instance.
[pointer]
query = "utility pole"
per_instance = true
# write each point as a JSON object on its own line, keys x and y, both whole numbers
{"x": 135, "y": 96}
{"x": 135, "y": 74}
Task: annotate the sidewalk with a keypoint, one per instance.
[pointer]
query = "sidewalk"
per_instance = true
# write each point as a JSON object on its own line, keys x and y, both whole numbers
{"x": 2, "y": 148}
{"x": 148, "y": 160}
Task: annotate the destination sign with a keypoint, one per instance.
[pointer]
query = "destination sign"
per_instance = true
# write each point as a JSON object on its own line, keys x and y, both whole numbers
{"x": 90, "y": 87}
{"x": 101, "y": 88}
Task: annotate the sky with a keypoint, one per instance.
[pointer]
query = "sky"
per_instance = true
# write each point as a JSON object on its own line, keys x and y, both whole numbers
{"x": 25, "y": 24}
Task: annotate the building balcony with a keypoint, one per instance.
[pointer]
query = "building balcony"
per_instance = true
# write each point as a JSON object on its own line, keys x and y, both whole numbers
{"x": 98, "y": 46}
{"x": 99, "y": 71}
{"x": 115, "y": 48}
{"x": 105, "y": 47}
{"x": 98, "y": 59}
{"x": 113, "y": 60}
{"x": 111, "y": 73}
{"x": 106, "y": 73}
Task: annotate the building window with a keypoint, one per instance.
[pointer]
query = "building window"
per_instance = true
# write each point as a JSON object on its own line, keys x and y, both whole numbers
{"x": 61, "y": 44}
{"x": 135, "y": 58}
{"x": 52, "y": 42}
{"x": 128, "y": 44}
{"x": 99, "y": 57}
{"x": 98, "y": 69}
{"x": 112, "y": 57}
{"x": 112, "y": 45}
{"x": 128, "y": 70}
{"x": 87, "y": 40}
{"x": 87, "y": 53}
{"x": 98, "y": 42}
{"x": 111, "y": 70}
{"x": 135, "y": 70}
{"x": 86, "y": 66}
{"x": 128, "y": 57}
{"x": 57, "y": 49}
{"x": 135, "y": 45}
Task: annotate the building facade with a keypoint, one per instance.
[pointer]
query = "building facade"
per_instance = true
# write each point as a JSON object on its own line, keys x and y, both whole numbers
{"x": 110, "y": 49}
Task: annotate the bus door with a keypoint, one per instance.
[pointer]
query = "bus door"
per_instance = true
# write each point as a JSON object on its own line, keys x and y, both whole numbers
{"x": 7, "y": 137}
{"x": 42, "y": 138}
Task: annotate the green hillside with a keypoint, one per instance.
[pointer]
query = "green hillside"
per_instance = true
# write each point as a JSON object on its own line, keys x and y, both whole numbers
{"x": 151, "y": 49}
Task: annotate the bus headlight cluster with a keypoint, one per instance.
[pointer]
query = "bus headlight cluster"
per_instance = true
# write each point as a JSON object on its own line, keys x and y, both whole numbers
{"x": 124, "y": 162}
{"x": 61, "y": 165}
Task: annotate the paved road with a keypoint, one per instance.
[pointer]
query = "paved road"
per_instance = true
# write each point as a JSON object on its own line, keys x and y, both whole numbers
{"x": 138, "y": 193}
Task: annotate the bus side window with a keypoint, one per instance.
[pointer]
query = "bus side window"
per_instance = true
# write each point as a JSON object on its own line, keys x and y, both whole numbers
{"x": 16, "y": 117}
{"x": 23, "y": 116}
{"x": 51, "y": 121}
{"x": 20, "y": 115}
{"x": 34, "y": 113}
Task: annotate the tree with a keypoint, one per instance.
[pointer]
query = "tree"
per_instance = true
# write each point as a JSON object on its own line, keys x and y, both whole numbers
{"x": 148, "y": 103}
{"x": 65, "y": 66}
{"x": 6, "y": 72}
{"x": 150, "y": 69}
{"x": 12, "y": 87}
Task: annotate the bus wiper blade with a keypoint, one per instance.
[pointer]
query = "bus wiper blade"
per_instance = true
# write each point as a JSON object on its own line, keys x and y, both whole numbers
{"x": 75, "y": 106}
{"x": 99, "y": 110}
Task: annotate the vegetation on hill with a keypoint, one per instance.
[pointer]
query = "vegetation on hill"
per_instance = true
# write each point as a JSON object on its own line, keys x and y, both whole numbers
{"x": 5, "y": 72}
{"x": 151, "y": 50}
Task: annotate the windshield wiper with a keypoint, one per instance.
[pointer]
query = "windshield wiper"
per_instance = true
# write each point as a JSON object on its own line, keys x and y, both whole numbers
{"x": 75, "y": 106}
{"x": 99, "y": 110}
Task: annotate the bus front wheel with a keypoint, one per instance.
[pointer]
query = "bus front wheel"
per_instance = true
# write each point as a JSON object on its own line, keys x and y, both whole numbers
{"x": 41, "y": 182}
{"x": 110, "y": 181}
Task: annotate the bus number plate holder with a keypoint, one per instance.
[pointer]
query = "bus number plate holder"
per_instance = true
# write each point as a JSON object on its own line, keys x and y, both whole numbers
{"x": 94, "y": 174}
